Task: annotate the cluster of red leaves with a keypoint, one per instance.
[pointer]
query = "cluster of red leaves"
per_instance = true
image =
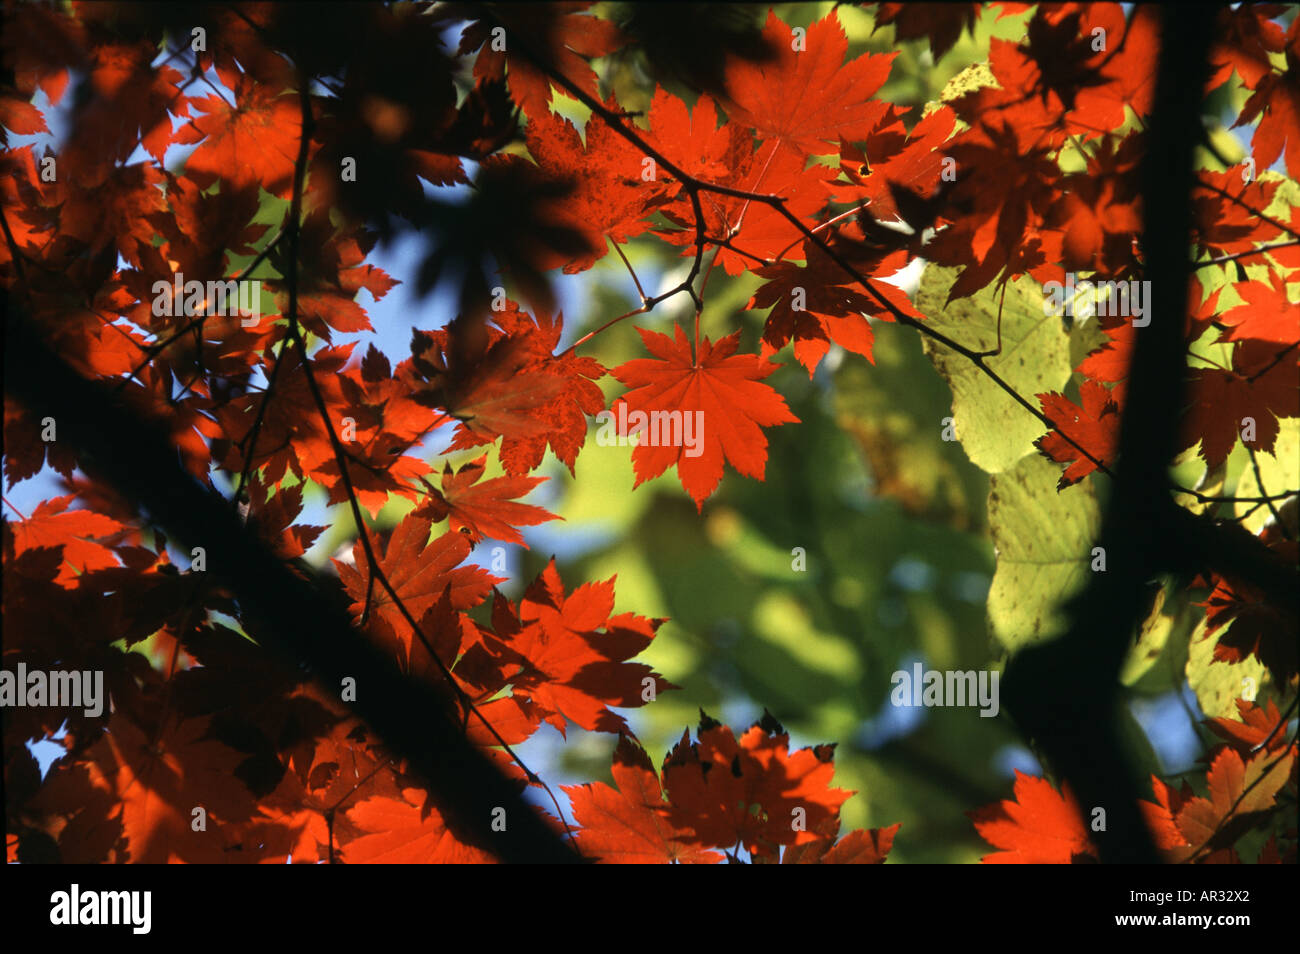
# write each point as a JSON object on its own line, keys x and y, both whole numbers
{"x": 722, "y": 793}
{"x": 794, "y": 171}
{"x": 1089, "y": 223}
{"x": 280, "y": 769}
{"x": 1243, "y": 782}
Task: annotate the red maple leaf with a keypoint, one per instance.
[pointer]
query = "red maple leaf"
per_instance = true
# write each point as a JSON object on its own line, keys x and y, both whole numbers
{"x": 494, "y": 387}
{"x": 1259, "y": 627}
{"x": 419, "y": 571}
{"x": 603, "y": 189}
{"x": 152, "y": 783}
{"x": 404, "y": 831}
{"x": 331, "y": 272}
{"x": 291, "y": 824}
{"x": 1040, "y": 826}
{"x": 1189, "y": 826}
{"x": 1095, "y": 427}
{"x": 815, "y": 306}
{"x": 25, "y": 452}
{"x": 1247, "y": 400}
{"x": 113, "y": 211}
{"x": 484, "y": 509}
{"x": 725, "y": 155}
{"x": 252, "y": 143}
{"x": 692, "y": 136}
{"x": 1109, "y": 364}
{"x": 862, "y": 847}
{"x": 563, "y": 418}
{"x": 941, "y": 23}
{"x": 52, "y": 524}
{"x": 1075, "y": 71}
{"x": 820, "y": 304}
{"x": 1266, "y": 313}
{"x": 292, "y": 436}
{"x": 806, "y": 96}
{"x": 1009, "y": 181}
{"x": 558, "y": 33}
{"x": 1097, "y": 210}
{"x": 203, "y": 230}
{"x": 1276, "y": 104}
{"x": 753, "y": 791}
{"x": 127, "y": 102}
{"x": 893, "y": 156}
{"x": 1244, "y": 38}
{"x": 1159, "y": 818}
{"x": 760, "y": 231}
{"x": 1225, "y": 207}
{"x": 273, "y": 517}
{"x": 577, "y": 653}
{"x": 380, "y": 421}
{"x": 717, "y": 395}
{"x": 506, "y": 382}
{"x": 629, "y": 825}
{"x": 1256, "y": 724}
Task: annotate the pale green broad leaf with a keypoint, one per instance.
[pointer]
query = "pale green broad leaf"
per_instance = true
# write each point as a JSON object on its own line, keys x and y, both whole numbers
{"x": 1153, "y": 636}
{"x": 1044, "y": 541}
{"x": 994, "y": 429}
{"x": 1218, "y": 685}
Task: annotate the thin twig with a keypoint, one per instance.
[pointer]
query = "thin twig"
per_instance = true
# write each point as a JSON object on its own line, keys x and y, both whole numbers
{"x": 152, "y": 351}
{"x": 1222, "y": 259}
{"x": 631, "y": 271}
{"x": 340, "y": 455}
{"x": 694, "y": 186}
{"x": 1282, "y": 720}
{"x": 1259, "y": 482}
{"x": 1237, "y": 200}
{"x": 1232, "y": 809}
{"x": 1212, "y": 498}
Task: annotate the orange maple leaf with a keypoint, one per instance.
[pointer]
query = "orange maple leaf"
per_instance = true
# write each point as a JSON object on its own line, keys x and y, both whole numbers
{"x": 807, "y": 96}
{"x": 1095, "y": 427}
{"x": 419, "y": 571}
{"x": 254, "y": 142}
{"x": 52, "y": 524}
{"x": 719, "y": 403}
{"x": 629, "y": 825}
{"x": 577, "y": 653}
{"x": 484, "y": 508}
{"x": 754, "y": 790}
{"x": 1040, "y": 826}
{"x": 406, "y": 831}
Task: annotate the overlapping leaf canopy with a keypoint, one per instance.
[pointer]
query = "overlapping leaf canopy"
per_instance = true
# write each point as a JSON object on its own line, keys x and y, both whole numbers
{"x": 247, "y": 141}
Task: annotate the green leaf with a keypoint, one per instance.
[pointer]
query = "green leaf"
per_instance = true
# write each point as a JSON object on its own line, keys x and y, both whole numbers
{"x": 1158, "y": 657}
{"x": 1043, "y": 541}
{"x": 1153, "y": 636}
{"x": 994, "y": 429}
{"x": 1218, "y": 685}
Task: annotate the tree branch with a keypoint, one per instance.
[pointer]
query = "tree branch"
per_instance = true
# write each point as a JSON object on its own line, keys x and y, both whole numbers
{"x": 137, "y": 458}
{"x": 1065, "y": 693}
